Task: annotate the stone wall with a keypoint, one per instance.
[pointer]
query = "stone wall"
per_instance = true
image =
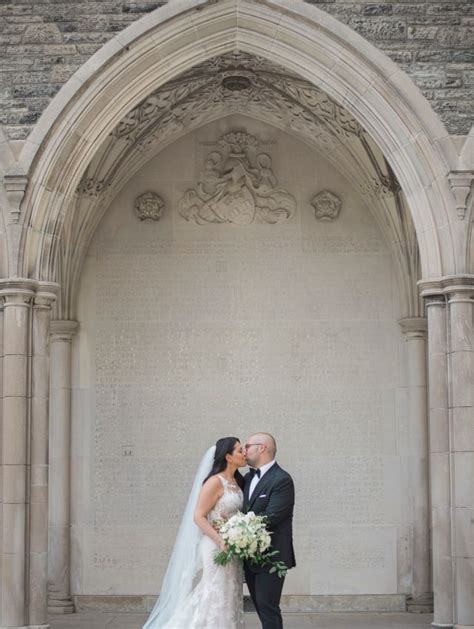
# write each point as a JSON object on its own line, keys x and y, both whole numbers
{"x": 190, "y": 330}
{"x": 43, "y": 43}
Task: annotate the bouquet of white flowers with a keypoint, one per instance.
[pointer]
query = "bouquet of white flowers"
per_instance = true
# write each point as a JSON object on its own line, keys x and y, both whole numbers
{"x": 247, "y": 538}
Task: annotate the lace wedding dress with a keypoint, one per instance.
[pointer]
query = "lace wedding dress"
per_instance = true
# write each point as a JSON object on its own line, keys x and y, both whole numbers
{"x": 217, "y": 600}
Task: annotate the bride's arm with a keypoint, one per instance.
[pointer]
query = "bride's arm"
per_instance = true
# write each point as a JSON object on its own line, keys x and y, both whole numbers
{"x": 210, "y": 493}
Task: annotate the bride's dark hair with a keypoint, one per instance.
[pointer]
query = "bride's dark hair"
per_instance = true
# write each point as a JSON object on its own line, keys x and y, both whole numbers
{"x": 224, "y": 446}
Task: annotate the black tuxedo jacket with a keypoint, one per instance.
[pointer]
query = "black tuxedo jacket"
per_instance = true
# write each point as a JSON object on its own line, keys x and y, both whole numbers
{"x": 274, "y": 496}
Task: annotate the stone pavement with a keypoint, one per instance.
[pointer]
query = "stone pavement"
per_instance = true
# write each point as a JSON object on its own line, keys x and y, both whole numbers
{"x": 102, "y": 620}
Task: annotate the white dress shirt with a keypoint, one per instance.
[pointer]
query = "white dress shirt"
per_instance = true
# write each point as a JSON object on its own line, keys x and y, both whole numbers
{"x": 263, "y": 470}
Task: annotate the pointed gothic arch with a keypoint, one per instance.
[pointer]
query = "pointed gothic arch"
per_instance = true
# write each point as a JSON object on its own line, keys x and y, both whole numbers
{"x": 176, "y": 37}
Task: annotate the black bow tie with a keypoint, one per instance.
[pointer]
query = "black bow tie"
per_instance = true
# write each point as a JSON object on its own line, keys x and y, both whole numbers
{"x": 255, "y": 472}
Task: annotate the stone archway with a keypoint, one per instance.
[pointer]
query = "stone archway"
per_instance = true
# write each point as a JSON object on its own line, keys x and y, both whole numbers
{"x": 175, "y": 38}
{"x": 327, "y": 54}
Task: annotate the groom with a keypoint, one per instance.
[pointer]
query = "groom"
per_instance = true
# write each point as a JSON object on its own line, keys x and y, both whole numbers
{"x": 269, "y": 491}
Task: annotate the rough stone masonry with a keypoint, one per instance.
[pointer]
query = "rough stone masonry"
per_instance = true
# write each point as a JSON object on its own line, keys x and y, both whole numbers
{"x": 43, "y": 43}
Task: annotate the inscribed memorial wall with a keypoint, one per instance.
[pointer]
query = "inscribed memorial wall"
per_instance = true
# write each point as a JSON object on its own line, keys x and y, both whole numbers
{"x": 194, "y": 331}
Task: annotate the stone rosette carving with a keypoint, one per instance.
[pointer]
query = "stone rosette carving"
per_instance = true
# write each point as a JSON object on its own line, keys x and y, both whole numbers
{"x": 237, "y": 186}
{"x": 327, "y": 206}
{"x": 149, "y": 206}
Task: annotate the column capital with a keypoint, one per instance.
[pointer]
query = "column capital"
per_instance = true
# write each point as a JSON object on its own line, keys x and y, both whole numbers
{"x": 22, "y": 291}
{"x": 448, "y": 285}
{"x": 413, "y": 327}
{"x": 63, "y": 329}
{"x": 46, "y": 293}
{"x": 18, "y": 291}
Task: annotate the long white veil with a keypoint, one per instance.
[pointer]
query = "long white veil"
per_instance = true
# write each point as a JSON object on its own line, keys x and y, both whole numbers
{"x": 184, "y": 562}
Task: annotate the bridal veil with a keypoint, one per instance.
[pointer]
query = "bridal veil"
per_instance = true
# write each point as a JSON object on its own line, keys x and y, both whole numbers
{"x": 184, "y": 563}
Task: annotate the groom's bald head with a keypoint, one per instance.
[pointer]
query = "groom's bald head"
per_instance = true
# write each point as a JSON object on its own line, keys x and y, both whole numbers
{"x": 260, "y": 449}
{"x": 269, "y": 441}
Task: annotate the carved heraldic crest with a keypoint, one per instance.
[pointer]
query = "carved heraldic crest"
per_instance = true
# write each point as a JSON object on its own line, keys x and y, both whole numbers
{"x": 237, "y": 186}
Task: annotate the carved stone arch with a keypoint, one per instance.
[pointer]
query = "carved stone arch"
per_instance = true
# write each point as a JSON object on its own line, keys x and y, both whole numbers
{"x": 382, "y": 195}
{"x": 173, "y": 39}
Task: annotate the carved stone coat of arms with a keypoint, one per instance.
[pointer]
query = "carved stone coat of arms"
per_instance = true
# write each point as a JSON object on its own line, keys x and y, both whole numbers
{"x": 237, "y": 186}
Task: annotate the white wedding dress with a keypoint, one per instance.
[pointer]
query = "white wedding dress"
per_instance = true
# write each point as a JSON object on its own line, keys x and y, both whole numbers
{"x": 216, "y": 602}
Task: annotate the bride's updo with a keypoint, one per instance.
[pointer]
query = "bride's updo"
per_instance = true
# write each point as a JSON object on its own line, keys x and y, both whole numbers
{"x": 224, "y": 446}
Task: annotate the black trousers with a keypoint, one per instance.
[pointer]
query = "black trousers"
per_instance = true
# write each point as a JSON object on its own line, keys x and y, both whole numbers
{"x": 265, "y": 590}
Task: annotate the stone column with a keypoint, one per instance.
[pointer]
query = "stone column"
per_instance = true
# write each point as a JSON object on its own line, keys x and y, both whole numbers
{"x": 450, "y": 306}
{"x": 26, "y": 308}
{"x": 414, "y": 383}
{"x": 38, "y": 520}
{"x": 460, "y": 296}
{"x": 17, "y": 297}
{"x": 440, "y": 464}
{"x": 59, "y": 599}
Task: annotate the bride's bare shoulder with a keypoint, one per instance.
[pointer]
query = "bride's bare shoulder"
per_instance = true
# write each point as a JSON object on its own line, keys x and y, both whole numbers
{"x": 213, "y": 483}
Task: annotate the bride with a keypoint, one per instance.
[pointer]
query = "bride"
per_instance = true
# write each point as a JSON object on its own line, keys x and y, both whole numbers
{"x": 215, "y": 599}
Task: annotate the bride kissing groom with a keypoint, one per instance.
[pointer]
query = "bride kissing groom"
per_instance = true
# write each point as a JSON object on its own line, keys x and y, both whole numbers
{"x": 197, "y": 593}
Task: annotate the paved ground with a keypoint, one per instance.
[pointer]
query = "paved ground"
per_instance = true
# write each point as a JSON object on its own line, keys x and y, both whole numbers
{"x": 98, "y": 620}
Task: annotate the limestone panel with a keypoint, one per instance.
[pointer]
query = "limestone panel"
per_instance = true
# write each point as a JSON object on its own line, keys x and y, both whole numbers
{"x": 353, "y": 560}
{"x": 191, "y": 332}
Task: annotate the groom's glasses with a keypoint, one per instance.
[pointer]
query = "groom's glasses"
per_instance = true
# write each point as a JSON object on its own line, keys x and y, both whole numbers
{"x": 249, "y": 445}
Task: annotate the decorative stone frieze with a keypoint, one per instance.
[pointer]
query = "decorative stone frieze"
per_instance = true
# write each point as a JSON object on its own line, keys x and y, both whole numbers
{"x": 266, "y": 91}
{"x": 261, "y": 86}
{"x": 327, "y": 206}
{"x": 237, "y": 186}
{"x": 149, "y": 206}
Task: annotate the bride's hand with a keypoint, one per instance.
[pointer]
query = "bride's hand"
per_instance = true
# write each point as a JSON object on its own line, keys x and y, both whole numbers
{"x": 222, "y": 546}
{"x": 217, "y": 524}
{"x": 224, "y": 517}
